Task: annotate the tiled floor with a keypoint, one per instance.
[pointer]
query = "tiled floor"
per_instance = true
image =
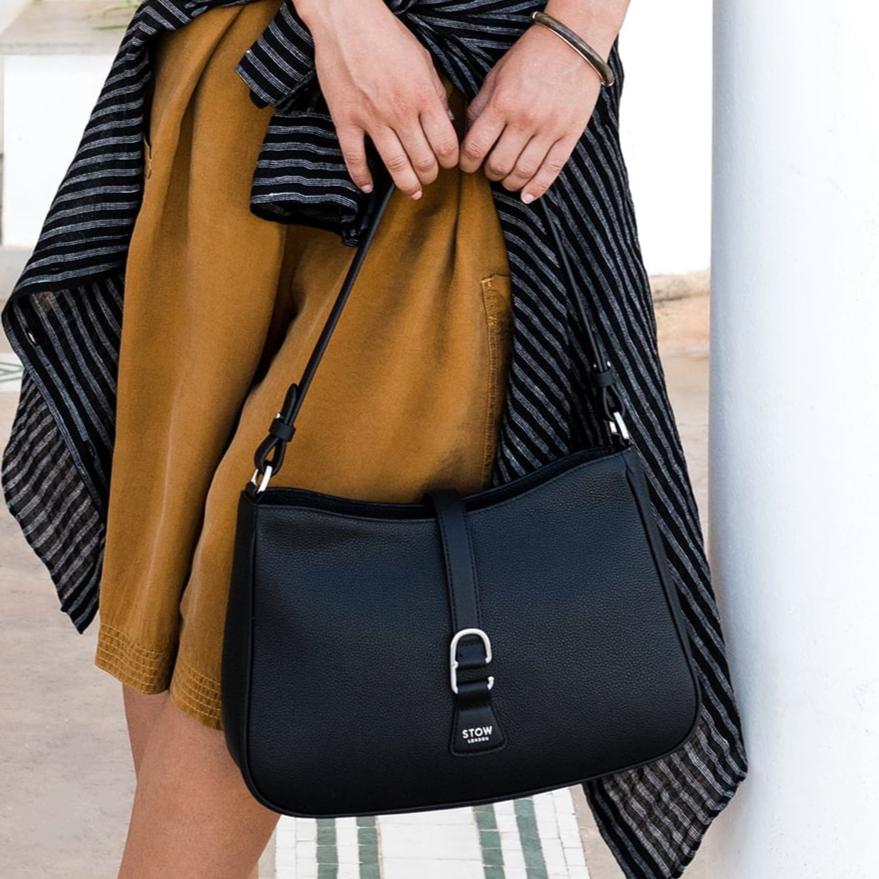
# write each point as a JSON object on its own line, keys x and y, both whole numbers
{"x": 533, "y": 838}
{"x": 10, "y": 373}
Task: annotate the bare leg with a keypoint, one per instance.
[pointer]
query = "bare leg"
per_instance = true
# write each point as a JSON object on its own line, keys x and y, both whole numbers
{"x": 141, "y": 713}
{"x": 193, "y": 817}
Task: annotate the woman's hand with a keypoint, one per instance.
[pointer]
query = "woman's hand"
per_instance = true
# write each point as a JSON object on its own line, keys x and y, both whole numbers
{"x": 377, "y": 79}
{"x": 538, "y": 99}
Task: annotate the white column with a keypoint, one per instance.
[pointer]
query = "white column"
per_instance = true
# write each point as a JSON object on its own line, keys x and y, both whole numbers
{"x": 665, "y": 128}
{"x": 794, "y": 430}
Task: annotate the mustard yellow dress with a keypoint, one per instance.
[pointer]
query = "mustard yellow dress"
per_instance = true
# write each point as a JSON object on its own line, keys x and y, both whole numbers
{"x": 221, "y": 312}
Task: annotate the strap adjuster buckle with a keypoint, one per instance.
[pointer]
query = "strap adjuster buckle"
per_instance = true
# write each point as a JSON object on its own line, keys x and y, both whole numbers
{"x": 260, "y": 481}
{"x": 618, "y": 427}
{"x": 453, "y": 655}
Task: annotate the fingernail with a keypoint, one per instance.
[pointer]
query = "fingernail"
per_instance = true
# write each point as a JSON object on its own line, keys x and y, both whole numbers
{"x": 416, "y": 195}
{"x": 527, "y": 197}
{"x": 367, "y": 187}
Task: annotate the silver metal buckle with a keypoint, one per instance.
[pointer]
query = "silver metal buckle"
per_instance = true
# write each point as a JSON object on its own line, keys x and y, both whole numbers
{"x": 618, "y": 426}
{"x": 453, "y": 655}
{"x": 267, "y": 475}
{"x": 264, "y": 482}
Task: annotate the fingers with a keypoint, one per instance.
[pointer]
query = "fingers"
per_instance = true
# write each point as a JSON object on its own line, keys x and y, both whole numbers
{"x": 550, "y": 168}
{"x": 482, "y": 136}
{"x": 503, "y": 157}
{"x": 413, "y": 139}
{"x": 527, "y": 163}
{"x": 413, "y": 151}
{"x": 429, "y": 138}
{"x": 514, "y": 145}
{"x": 354, "y": 153}
{"x": 396, "y": 160}
{"x": 421, "y": 156}
{"x": 441, "y": 136}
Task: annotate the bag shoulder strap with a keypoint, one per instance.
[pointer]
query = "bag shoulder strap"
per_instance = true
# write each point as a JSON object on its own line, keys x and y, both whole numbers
{"x": 269, "y": 455}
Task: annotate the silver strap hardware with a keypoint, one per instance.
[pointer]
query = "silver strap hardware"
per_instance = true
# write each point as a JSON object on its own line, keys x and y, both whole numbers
{"x": 453, "y": 654}
{"x": 263, "y": 483}
{"x": 618, "y": 427}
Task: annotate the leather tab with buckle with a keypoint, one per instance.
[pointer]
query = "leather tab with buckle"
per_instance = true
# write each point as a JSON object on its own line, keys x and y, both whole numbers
{"x": 475, "y": 726}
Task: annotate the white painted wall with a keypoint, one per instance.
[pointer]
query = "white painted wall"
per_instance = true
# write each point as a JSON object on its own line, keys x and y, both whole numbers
{"x": 666, "y": 129}
{"x": 8, "y": 10}
{"x": 794, "y": 514}
{"x": 47, "y": 100}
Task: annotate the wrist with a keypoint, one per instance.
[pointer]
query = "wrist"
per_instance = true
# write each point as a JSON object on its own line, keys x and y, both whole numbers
{"x": 305, "y": 9}
{"x": 321, "y": 14}
{"x": 596, "y": 21}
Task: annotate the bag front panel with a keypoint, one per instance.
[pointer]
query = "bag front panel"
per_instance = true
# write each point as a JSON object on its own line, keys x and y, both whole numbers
{"x": 350, "y": 702}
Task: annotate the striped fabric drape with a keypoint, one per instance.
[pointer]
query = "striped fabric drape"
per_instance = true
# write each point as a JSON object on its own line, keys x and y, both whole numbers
{"x": 63, "y": 319}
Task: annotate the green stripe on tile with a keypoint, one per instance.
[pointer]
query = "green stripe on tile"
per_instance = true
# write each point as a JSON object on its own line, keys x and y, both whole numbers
{"x": 529, "y": 836}
{"x": 489, "y": 842}
{"x": 367, "y": 840}
{"x": 327, "y": 852}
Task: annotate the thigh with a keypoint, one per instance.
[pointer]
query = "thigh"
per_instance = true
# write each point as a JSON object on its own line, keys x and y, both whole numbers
{"x": 192, "y": 815}
{"x": 141, "y": 714}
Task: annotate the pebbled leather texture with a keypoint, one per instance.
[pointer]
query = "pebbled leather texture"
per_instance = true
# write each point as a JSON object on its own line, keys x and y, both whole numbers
{"x": 336, "y": 692}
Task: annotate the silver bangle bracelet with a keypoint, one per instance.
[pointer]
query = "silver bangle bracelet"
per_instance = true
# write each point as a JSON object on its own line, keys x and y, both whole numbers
{"x": 578, "y": 44}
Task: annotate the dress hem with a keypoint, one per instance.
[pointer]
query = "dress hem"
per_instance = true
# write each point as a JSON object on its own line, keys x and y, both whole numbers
{"x": 155, "y": 671}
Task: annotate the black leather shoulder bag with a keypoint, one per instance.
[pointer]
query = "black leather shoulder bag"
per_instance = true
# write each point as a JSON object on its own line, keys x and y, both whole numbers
{"x": 399, "y": 657}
